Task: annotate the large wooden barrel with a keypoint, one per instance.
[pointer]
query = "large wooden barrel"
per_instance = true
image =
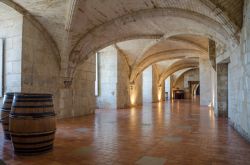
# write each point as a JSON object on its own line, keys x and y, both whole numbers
{"x": 32, "y": 123}
{"x": 5, "y": 111}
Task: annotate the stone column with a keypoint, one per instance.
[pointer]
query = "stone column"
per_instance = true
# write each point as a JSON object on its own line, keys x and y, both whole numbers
{"x": 222, "y": 90}
{"x": 163, "y": 98}
{"x": 147, "y": 85}
{"x": 123, "y": 85}
{"x": 171, "y": 87}
{"x": 114, "y": 85}
{"x": 205, "y": 82}
{"x": 212, "y": 53}
{"x": 167, "y": 88}
{"x": 136, "y": 92}
{"x": 156, "y": 88}
{"x": 107, "y": 97}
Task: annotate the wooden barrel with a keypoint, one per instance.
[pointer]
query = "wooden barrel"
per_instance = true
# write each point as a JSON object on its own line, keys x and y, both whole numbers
{"x": 32, "y": 123}
{"x": 5, "y": 111}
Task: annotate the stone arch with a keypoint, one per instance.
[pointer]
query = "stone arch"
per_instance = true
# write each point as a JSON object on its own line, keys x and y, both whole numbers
{"x": 107, "y": 33}
{"x": 165, "y": 55}
{"x": 175, "y": 67}
{"x": 141, "y": 65}
{"x": 195, "y": 89}
{"x": 36, "y": 24}
{"x": 177, "y": 79}
{"x": 223, "y": 18}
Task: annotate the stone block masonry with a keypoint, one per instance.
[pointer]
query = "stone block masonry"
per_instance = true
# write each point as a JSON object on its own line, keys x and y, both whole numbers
{"x": 11, "y": 33}
{"x": 222, "y": 90}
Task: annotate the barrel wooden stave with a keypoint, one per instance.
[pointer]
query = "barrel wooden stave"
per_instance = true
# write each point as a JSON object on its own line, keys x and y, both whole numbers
{"x": 5, "y": 111}
{"x": 45, "y": 124}
{"x": 32, "y": 123}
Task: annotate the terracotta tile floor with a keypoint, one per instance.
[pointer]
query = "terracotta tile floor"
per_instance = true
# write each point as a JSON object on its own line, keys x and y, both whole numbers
{"x": 180, "y": 132}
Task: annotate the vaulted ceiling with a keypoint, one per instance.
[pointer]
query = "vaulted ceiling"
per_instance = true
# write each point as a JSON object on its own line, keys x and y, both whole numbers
{"x": 7, "y": 12}
{"x": 51, "y": 14}
{"x": 81, "y": 27}
{"x": 142, "y": 53}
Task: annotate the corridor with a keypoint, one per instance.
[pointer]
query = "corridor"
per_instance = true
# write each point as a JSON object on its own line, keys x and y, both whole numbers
{"x": 177, "y": 132}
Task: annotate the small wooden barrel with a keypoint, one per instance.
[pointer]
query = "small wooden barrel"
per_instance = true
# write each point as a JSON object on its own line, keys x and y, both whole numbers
{"x": 7, "y": 102}
{"x": 32, "y": 123}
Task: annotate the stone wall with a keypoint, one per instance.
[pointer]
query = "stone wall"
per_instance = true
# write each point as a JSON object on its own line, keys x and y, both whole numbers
{"x": 162, "y": 93}
{"x": 79, "y": 99}
{"x": 84, "y": 99}
{"x": 147, "y": 85}
{"x": 214, "y": 89}
{"x": 156, "y": 90}
{"x": 180, "y": 83}
{"x": 123, "y": 99}
{"x": 108, "y": 68}
{"x": 11, "y": 33}
{"x": 40, "y": 73}
{"x": 115, "y": 90}
{"x": 222, "y": 90}
{"x": 40, "y": 70}
{"x": 239, "y": 80}
{"x": 136, "y": 93}
{"x": 206, "y": 86}
{"x": 183, "y": 82}
{"x": 171, "y": 86}
{"x": 167, "y": 88}
{"x": 152, "y": 92}
{"x": 192, "y": 75}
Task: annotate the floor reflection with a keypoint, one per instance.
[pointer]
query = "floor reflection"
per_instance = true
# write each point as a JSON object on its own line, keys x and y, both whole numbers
{"x": 176, "y": 132}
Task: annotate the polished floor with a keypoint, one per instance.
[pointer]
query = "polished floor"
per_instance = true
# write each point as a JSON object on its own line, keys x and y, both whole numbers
{"x": 179, "y": 132}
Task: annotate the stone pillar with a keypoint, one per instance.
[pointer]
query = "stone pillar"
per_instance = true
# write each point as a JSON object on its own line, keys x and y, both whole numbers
{"x": 152, "y": 91}
{"x": 171, "y": 87}
{"x": 205, "y": 82}
{"x": 40, "y": 68}
{"x": 147, "y": 78}
{"x": 167, "y": 88}
{"x": 222, "y": 90}
{"x": 107, "y": 78}
{"x": 123, "y": 70}
{"x": 163, "y": 98}
{"x": 156, "y": 88}
{"x": 114, "y": 83}
{"x": 212, "y": 53}
{"x": 136, "y": 92}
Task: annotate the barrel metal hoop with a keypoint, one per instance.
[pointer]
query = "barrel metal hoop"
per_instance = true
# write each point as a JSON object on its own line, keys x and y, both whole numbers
{"x": 32, "y": 97}
{"x": 34, "y": 134}
{"x": 32, "y": 106}
{"x": 28, "y": 143}
{"x": 33, "y": 150}
{"x": 32, "y": 115}
{"x": 47, "y": 100}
